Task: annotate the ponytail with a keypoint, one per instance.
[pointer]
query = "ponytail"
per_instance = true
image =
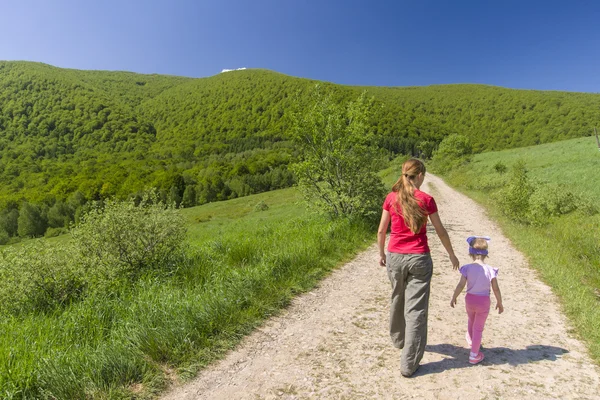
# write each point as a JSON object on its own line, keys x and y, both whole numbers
{"x": 406, "y": 202}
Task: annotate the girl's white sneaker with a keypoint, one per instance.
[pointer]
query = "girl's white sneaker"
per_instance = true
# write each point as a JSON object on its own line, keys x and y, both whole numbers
{"x": 477, "y": 359}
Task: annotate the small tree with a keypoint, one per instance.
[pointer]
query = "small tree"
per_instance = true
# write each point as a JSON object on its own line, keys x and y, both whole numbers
{"x": 336, "y": 171}
{"x": 426, "y": 148}
{"x": 189, "y": 196}
{"x": 30, "y": 221}
{"x": 59, "y": 215}
{"x": 453, "y": 150}
{"x": 9, "y": 221}
{"x": 513, "y": 199}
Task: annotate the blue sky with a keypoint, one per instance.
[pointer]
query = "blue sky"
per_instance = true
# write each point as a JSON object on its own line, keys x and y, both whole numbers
{"x": 547, "y": 45}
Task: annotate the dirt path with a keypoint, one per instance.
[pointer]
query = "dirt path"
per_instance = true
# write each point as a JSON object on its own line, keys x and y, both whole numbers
{"x": 332, "y": 343}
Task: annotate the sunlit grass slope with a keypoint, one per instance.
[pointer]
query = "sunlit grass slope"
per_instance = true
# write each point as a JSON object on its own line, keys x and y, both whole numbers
{"x": 574, "y": 163}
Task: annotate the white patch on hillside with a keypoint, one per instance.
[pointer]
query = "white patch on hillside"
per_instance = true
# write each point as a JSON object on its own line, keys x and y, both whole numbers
{"x": 229, "y": 70}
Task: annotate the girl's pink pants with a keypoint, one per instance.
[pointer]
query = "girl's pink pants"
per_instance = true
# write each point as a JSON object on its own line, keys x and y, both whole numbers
{"x": 478, "y": 308}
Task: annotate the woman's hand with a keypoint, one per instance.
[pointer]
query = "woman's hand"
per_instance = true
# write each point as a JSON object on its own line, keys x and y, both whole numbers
{"x": 382, "y": 260}
{"x": 443, "y": 235}
{"x": 381, "y": 233}
{"x": 455, "y": 262}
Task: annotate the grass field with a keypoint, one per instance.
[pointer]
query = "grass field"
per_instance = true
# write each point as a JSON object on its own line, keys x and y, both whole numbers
{"x": 247, "y": 258}
{"x": 566, "y": 248}
{"x": 574, "y": 163}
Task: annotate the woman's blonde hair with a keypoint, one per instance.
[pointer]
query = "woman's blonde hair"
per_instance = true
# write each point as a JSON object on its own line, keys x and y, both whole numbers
{"x": 414, "y": 215}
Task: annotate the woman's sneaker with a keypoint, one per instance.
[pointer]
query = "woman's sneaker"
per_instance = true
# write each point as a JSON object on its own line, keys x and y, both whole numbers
{"x": 477, "y": 359}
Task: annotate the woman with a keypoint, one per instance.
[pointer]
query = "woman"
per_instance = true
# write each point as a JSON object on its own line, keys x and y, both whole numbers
{"x": 408, "y": 262}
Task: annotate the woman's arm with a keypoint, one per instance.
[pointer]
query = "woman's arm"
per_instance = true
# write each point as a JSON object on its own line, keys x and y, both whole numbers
{"x": 459, "y": 288}
{"x": 496, "y": 290}
{"x": 443, "y": 235}
{"x": 381, "y": 233}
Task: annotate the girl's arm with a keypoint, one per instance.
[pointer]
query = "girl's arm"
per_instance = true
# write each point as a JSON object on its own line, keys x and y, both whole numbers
{"x": 496, "y": 290}
{"x": 381, "y": 233}
{"x": 459, "y": 288}
{"x": 443, "y": 235}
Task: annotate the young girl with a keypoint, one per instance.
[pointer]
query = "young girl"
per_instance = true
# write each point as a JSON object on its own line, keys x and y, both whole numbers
{"x": 478, "y": 277}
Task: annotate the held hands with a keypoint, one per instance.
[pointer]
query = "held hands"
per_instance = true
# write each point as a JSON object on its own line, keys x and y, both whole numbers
{"x": 500, "y": 308}
{"x": 453, "y": 302}
{"x": 455, "y": 262}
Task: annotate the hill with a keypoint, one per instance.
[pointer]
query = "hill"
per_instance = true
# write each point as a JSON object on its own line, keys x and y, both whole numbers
{"x": 496, "y": 118}
{"x": 70, "y": 136}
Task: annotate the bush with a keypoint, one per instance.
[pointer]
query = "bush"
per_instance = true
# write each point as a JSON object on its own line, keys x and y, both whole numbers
{"x": 38, "y": 277}
{"x": 261, "y": 206}
{"x": 4, "y": 237}
{"x": 500, "y": 167}
{"x": 111, "y": 247}
{"x": 513, "y": 200}
{"x": 486, "y": 183}
{"x": 526, "y": 201}
{"x": 550, "y": 201}
{"x": 53, "y": 232}
{"x": 586, "y": 206}
{"x": 122, "y": 240}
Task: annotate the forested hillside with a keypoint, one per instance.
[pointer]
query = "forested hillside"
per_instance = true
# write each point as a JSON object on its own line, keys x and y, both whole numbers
{"x": 496, "y": 118}
{"x": 69, "y": 136}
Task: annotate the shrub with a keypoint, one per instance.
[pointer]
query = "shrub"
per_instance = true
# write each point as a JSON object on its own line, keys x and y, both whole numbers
{"x": 4, "y": 237}
{"x": 53, "y": 232}
{"x": 122, "y": 240}
{"x": 550, "y": 201}
{"x": 486, "y": 183}
{"x": 586, "y": 205}
{"x": 500, "y": 167}
{"x": 513, "y": 200}
{"x": 530, "y": 202}
{"x": 38, "y": 277}
{"x": 111, "y": 246}
{"x": 261, "y": 206}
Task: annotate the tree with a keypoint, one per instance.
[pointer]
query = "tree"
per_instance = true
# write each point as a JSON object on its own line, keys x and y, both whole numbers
{"x": 30, "y": 221}
{"x": 174, "y": 196}
{"x": 9, "y": 221}
{"x": 59, "y": 215}
{"x": 453, "y": 150}
{"x": 426, "y": 148}
{"x": 189, "y": 196}
{"x": 336, "y": 171}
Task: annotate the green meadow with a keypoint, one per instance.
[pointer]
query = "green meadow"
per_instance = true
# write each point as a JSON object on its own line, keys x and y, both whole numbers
{"x": 245, "y": 259}
{"x": 561, "y": 183}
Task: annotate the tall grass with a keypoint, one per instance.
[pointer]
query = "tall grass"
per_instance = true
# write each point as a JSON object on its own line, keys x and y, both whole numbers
{"x": 563, "y": 181}
{"x": 243, "y": 264}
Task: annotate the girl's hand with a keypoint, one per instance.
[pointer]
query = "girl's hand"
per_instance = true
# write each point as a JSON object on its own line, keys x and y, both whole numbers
{"x": 453, "y": 302}
{"x": 500, "y": 308}
{"x": 382, "y": 260}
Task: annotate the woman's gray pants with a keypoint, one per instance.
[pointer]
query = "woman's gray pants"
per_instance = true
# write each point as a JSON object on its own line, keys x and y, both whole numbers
{"x": 410, "y": 275}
